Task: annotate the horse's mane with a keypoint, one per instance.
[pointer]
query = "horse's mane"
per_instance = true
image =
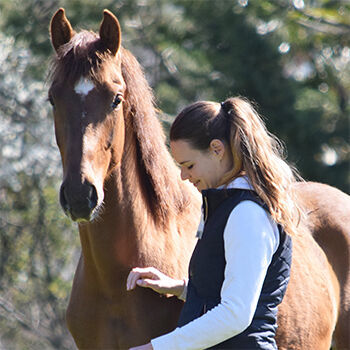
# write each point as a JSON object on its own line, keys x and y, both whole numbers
{"x": 165, "y": 193}
{"x": 162, "y": 190}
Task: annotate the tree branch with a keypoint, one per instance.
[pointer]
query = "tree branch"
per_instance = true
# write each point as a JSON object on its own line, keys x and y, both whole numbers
{"x": 42, "y": 331}
{"x": 341, "y": 27}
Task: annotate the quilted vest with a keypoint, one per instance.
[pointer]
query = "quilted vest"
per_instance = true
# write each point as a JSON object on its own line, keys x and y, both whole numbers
{"x": 207, "y": 266}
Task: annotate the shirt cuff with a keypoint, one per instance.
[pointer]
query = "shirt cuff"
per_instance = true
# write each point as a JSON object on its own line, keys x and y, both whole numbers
{"x": 183, "y": 295}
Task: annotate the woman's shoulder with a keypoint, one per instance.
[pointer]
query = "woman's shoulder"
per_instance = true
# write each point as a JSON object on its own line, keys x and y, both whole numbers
{"x": 252, "y": 220}
{"x": 250, "y": 210}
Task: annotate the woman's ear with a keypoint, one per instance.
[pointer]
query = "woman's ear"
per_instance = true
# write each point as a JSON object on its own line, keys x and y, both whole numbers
{"x": 217, "y": 147}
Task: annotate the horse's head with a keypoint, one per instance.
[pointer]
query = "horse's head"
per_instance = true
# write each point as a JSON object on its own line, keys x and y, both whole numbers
{"x": 87, "y": 97}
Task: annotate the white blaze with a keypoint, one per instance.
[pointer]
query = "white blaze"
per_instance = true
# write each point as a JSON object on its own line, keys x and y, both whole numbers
{"x": 83, "y": 86}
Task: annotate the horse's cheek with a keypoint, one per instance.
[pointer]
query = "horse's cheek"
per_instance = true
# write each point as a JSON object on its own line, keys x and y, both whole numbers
{"x": 118, "y": 140}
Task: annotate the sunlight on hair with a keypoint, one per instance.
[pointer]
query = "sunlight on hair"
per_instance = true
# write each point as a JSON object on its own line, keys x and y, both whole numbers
{"x": 263, "y": 162}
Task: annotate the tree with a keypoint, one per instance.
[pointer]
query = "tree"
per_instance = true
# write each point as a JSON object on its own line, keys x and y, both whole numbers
{"x": 313, "y": 40}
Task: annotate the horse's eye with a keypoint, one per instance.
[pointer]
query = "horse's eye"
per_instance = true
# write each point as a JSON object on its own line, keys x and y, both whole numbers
{"x": 118, "y": 98}
{"x": 51, "y": 101}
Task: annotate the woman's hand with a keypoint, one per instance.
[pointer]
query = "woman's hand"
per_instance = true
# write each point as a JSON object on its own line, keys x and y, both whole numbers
{"x": 143, "y": 347}
{"x": 150, "y": 277}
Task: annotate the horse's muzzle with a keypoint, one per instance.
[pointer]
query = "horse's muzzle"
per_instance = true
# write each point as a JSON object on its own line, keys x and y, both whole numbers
{"x": 78, "y": 201}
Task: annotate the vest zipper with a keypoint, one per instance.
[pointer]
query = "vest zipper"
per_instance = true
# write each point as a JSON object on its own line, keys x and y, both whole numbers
{"x": 205, "y": 208}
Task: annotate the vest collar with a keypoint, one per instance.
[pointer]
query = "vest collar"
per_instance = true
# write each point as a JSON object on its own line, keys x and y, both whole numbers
{"x": 213, "y": 197}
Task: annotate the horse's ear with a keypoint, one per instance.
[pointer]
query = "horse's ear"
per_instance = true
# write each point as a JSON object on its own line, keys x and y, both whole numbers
{"x": 60, "y": 29}
{"x": 110, "y": 32}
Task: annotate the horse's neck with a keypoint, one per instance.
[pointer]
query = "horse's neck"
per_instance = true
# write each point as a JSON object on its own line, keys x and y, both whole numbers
{"x": 110, "y": 246}
{"x": 121, "y": 233}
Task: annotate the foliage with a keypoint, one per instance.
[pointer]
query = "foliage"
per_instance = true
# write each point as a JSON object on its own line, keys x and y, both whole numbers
{"x": 314, "y": 42}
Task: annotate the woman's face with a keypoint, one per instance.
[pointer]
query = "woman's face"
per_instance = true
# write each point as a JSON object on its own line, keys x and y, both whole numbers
{"x": 204, "y": 169}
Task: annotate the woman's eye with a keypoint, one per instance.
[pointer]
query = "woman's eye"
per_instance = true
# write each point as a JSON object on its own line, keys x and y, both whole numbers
{"x": 190, "y": 167}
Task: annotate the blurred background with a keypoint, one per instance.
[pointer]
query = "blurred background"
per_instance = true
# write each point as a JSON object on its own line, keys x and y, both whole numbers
{"x": 290, "y": 57}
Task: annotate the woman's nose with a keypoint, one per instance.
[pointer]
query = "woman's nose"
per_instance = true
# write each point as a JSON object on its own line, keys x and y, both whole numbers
{"x": 184, "y": 174}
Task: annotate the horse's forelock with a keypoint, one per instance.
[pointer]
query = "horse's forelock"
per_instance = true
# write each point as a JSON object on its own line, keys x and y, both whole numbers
{"x": 81, "y": 56}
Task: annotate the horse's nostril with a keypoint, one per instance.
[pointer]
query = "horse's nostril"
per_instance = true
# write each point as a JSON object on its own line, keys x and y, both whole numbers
{"x": 92, "y": 197}
{"x": 63, "y": 198}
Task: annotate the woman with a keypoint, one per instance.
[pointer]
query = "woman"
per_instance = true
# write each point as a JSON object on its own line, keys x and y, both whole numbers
{"x": 240, "y": 268}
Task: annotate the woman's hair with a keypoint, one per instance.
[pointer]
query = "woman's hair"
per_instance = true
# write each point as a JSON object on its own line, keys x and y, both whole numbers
{"x": 255, "y": 152}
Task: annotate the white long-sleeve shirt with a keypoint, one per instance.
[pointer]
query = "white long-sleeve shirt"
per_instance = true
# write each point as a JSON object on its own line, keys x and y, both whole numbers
{"x": 251, "y": 238}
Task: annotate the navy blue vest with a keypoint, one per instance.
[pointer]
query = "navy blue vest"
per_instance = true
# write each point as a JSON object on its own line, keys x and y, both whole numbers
{"x": 207, "y": 266}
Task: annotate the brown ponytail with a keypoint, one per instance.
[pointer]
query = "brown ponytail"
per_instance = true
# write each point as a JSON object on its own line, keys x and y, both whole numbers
{"x": 255, "y": 152}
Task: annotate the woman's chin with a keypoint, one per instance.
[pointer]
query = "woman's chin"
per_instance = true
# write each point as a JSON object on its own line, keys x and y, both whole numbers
{"x": 197, "y": 185}
{"x": 200, "y": 186}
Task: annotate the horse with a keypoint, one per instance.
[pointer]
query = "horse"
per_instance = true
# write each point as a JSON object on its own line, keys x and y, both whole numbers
{"x": 120, "y": 185}
{"x": 123, "y": 189}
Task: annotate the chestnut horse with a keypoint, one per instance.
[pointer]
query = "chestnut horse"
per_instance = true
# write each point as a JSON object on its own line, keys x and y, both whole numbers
{"x": 123, "y": 189}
